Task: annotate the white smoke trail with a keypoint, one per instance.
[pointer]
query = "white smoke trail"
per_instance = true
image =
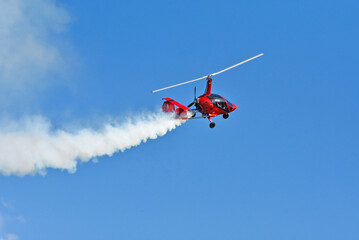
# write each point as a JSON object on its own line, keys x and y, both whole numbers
{"x": 31, "y": 146}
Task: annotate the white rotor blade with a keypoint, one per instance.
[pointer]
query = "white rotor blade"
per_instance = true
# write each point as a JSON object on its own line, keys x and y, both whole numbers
{"x": 178, "y": 84}
{"x": 213, "y": 74}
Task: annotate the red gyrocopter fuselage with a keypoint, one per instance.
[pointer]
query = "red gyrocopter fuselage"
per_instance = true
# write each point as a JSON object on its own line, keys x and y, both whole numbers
{"x": 210, "y": 105}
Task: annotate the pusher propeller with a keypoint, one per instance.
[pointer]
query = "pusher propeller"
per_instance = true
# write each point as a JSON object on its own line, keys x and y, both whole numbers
{"x": 195, "y": 99}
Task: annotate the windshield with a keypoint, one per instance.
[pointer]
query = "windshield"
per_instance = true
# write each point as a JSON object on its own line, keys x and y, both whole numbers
{"x": 219, "y": 102}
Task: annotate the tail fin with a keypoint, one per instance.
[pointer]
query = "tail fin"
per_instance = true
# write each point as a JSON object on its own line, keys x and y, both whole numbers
{"x": 169, "y": 106}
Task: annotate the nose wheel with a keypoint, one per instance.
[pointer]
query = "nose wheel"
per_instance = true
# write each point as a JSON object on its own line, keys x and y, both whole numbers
{"x": 212, "y": 124}
{"x": 225, "y": 116}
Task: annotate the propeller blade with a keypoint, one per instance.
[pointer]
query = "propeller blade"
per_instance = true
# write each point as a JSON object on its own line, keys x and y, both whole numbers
{"x": 213, "y": 74}
{"x": 195, "y": 99}
{"x": 191, "y": 104}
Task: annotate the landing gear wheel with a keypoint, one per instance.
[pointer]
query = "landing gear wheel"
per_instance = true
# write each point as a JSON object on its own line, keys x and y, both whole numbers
{"x": 212, "y": 125}
{"x": 225, "y": 116}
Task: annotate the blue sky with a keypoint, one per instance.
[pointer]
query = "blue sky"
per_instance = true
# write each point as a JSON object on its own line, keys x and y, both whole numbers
{"x": 283, "y": 166}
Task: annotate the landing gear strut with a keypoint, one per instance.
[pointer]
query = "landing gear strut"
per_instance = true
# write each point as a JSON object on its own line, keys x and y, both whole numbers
{"x": 212, "y": 124}
{"x": 225, "y": 116}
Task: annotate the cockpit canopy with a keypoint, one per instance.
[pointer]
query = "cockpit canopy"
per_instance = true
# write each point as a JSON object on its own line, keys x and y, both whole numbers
{"x": 220, "y": 102}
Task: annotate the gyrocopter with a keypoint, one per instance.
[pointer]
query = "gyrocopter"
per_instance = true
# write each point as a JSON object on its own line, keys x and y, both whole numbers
{"x": 208, "y": 104}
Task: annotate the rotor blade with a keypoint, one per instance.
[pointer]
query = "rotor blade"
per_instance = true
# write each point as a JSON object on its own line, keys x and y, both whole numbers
{"x": 213, "y": 74}
{"x": 178, "y": 84}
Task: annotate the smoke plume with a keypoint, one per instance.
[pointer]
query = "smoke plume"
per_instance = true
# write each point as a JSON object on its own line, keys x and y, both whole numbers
{"x": 31, "y": 146}
{"x": 32, "y": 50}
{"x": 30, "y": 33}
